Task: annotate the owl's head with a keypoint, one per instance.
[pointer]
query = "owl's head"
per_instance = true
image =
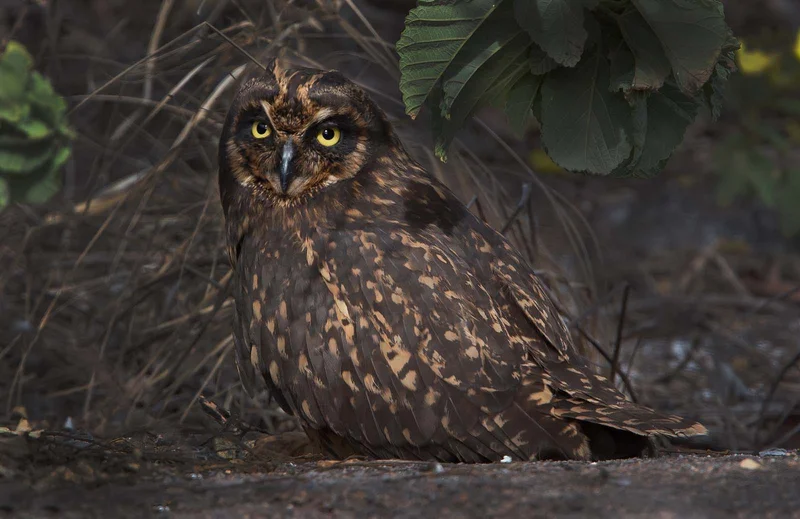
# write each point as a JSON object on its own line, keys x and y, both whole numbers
{"x": 290, "y": 133}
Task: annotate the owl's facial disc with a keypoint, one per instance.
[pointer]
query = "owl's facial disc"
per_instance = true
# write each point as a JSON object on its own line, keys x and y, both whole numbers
{"x": 292, "y": 133}
{"x": 291, "y": 159}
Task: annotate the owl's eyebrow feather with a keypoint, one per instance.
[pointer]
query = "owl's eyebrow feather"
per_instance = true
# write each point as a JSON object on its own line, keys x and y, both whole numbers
{"x": 268, "y": 112}
{"x": 320, "y": 116}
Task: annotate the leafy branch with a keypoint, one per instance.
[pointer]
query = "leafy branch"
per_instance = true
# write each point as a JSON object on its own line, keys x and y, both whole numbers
{"x": 613, "y": 83}
{"x": 34, "y": 135}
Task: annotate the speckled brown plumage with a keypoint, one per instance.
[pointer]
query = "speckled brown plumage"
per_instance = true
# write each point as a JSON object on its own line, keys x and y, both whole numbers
{"x": 381, "y": 312}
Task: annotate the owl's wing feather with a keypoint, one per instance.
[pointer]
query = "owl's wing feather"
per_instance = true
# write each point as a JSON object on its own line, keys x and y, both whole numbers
{"x": 419, "y": 343}
{"x": 429, "y": 348}
{"x": 588, "y": 396}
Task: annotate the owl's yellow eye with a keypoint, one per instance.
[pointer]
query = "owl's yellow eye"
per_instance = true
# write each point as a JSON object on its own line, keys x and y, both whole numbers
{"x": 329, "y": 136}
{"x": 261, "y": 130}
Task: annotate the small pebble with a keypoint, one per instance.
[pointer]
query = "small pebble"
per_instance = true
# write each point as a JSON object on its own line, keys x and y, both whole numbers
{"x": 773, "y": 452}
{"x": 69, "y": 425}
{"x": 750, "y": 464}
{"x": 161, "y": 509}
{"x": 506, "y": 459}
{"x": 20, "y": 326}
{"x": 438, "y": 469}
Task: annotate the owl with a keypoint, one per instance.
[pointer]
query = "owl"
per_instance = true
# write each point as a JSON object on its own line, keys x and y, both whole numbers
{"x": 378, "y": 310}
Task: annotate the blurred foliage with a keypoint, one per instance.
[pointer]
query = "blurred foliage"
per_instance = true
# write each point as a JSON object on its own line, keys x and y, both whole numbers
{"x": 34, "y": 136}
{"x": 761, "y": 155}
{"x": 796, "y": 49}
{"x": 755, "y": 61}
{"x": 613, "y": 83}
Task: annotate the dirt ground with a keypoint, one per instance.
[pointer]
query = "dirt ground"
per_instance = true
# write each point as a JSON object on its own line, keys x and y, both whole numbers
{"x": 685, "y": 486}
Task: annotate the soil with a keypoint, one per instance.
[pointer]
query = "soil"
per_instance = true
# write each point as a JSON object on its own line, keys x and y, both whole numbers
{"x": 685, "y": 486}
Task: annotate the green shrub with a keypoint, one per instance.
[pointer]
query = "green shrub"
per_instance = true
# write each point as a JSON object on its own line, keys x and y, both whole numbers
{"x": 759, "y": 154}
{"x": 34, "y": 136}
{"x": 613, "y": 83}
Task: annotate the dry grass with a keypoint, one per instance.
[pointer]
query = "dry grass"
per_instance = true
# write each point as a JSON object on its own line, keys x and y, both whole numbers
{"x": 115, "y": 308}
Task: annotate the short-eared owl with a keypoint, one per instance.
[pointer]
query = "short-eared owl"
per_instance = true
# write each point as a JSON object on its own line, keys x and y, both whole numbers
{"x": 380, "y": 311}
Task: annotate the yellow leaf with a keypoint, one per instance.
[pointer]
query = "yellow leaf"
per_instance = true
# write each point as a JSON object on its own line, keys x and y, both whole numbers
{"x": 754, "y": 62}
{"x": 542, "y": 163}
{"x": 797, "y": 46}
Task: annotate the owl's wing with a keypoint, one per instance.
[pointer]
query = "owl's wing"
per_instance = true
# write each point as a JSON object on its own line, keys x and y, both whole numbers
{"x": 584, "y": 395}
{"x": 425, "y": 355}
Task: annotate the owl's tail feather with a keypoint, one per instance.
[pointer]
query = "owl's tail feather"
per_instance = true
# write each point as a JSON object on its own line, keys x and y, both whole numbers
{"x": 624, "y": 415}
{"x": 623, "y": 429}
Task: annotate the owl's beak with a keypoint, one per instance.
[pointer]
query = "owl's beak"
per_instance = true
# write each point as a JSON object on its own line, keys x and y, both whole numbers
{"x": 286, "y": 164}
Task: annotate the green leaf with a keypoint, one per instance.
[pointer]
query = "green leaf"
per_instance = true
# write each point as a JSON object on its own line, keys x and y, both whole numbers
{"x": 34, "y": 133}
{"x": 40, "y": 185}
{"x": 621, "y": 68}
{"x": 19, "y": 156}
{"x": 65, "y": 131}
{"x": 639, "y": 118}
{"x": 496, "y": 32}
{"x": 61, "y": 157}
{"x": 492, "y": 80}
{"x": 16, "y": 58}
{"x": 36, "y": 188}
{"x": 14, "y": 66}
{"x": 46, "y": 103}
{"x": 14, "y": 112}
{"x": 5, "y": 194}
{"x": 519, "y": 107}
{"x": 692, "y": 34}
{"x": 540, "y": 62}
{"x": 583, "y": 122}
{"x": 651, "y": 66}
{"x": 44, "y": 190}
{"x": 556, "y": 26}
{"x": 497, "y": 94}
{"x": 33, "y": 128}
{"x": 714, "y": 89}
{"x": 434, "y": 34}
{"x": 669, "y": 113}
